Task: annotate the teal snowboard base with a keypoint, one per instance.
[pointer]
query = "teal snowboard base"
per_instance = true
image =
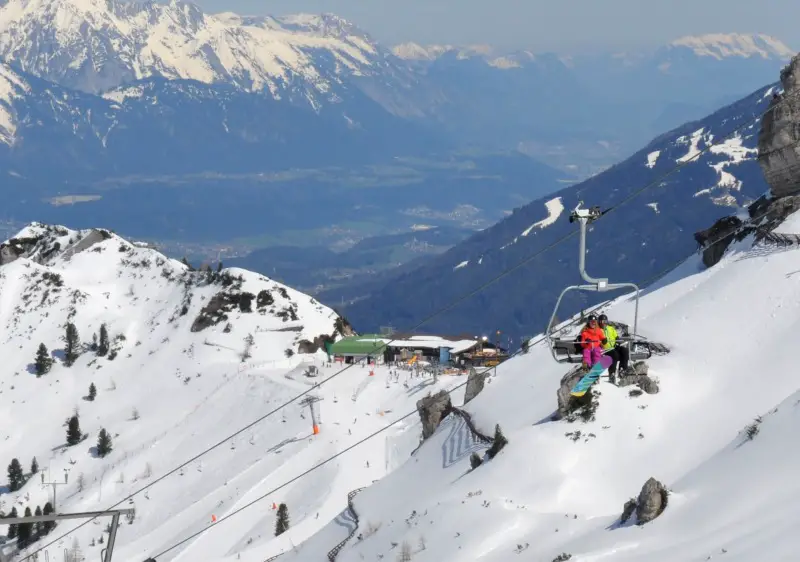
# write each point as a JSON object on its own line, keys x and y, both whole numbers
{"x": 591, "y": 377}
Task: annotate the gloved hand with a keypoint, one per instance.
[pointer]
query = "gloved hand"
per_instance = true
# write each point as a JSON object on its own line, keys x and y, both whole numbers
{"x": 604, "y": 341}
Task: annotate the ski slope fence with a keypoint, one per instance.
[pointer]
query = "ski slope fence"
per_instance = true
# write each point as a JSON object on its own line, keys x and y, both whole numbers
{"x": 334, "y": 552}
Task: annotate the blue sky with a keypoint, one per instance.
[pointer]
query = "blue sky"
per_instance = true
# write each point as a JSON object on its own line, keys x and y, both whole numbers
{"x": 543, "y": 24}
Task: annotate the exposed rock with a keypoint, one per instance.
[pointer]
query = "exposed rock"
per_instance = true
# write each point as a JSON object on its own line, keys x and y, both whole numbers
{"x": 432, "y": 410}
{"x": 95, "y": 236}
{"x": 628, "y": 510}
{"x": 217, "y": 308}
{"x": 718, "y": 238}
{"x": 779, "y": 137}
{"x": 637, "y": 375}
{"x": 475, "y": 383}
{"x": 306, "y": 346}
{"x": 652, "y": 501}
{"x": 565, "y": 399}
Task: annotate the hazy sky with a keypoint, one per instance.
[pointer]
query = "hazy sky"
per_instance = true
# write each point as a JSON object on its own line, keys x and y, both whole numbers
{"x": 543, "y": 24}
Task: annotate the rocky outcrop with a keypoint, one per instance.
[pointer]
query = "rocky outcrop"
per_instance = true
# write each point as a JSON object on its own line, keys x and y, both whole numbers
{"x": 779, "y": 137}
{"x": 309, "y": 346}
{"x": 568, "y": 405}
{"x": 637, "y": 375}
{"x": 764, "y": 215}
{"x": 652, "y": 501}
{"x": 432, "y": 410}
{"x": 95, "y": 236}
{"x": 475, "y": 383}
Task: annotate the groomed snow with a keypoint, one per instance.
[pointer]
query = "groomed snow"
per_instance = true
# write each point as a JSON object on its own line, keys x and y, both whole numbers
{"x": 732, "y": 330}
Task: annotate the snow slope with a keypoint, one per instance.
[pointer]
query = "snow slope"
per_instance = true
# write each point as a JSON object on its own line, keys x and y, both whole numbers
{"x": 96, "y": 45}
{"x": 732, "y": 331}
{"x": 170, "y": 392}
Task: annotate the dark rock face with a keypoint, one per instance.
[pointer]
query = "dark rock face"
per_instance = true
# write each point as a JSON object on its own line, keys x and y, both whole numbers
{"x": 432, "y": 410}
{"x": 779, "y": 138}
{"x": 652, "y": 501}
{"x": 637, "y": 375}
{"x": 306, "y": 346}
{"x": 566, "y": 401}
{"x": 475, "y": 383}
{"x": 717, "y": 239}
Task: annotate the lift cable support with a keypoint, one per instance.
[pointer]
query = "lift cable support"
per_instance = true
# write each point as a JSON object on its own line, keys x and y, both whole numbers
{"x": 311, "y": 401}
{"x": 112, "y": 534}
{"x": 565, "y": 350}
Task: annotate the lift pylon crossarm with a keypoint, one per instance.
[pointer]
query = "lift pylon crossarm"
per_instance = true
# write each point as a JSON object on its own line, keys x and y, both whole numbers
{"x": 62, "y": 516}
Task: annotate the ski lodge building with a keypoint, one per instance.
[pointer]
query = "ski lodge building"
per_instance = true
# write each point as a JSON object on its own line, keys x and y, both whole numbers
{"x": 402, "y": 347}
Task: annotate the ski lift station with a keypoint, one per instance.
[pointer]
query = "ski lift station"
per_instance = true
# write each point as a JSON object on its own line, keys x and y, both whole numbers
{"x": 400, "y": 347}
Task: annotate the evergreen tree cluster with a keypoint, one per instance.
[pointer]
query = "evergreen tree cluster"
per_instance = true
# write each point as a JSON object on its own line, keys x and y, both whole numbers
{"x": 27, "y": 533}
{"x": 16, "y": 477}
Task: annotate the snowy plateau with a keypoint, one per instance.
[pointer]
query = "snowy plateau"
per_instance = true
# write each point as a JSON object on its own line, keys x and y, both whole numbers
{"x": 717, "y": 434}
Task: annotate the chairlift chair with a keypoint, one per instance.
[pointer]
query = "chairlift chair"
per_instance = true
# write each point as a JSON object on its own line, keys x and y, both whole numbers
{"x": 568, "y": 350}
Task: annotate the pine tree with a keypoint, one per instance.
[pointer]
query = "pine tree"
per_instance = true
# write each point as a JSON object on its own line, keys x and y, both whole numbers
{"x": 104, "y": 445}
{"x": 74, "y": 435}
{"x": 93, "y": 347}
{"x": 92, "y": 392}
{"x": 43, "y": 361}
{"x": 48, "y": 526}
{"x": 282, "y": 523}
{"x": 24, "y": 530}
{"x": 16, "y": 478}
{"x": 12, "y": 529}
{"x": 34, "y": 466}
{"x": 102, "y": 346}
{"x": 38, "y": 528}
{"x": 219, "y": 267}
{"x": 73, "y": 343}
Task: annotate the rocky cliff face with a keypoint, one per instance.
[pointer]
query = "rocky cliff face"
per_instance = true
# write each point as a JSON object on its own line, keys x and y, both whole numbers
{"x": 779, "y": 138}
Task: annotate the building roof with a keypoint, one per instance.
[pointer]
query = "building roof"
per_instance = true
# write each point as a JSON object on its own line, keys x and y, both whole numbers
{"x": 370, "y": 344}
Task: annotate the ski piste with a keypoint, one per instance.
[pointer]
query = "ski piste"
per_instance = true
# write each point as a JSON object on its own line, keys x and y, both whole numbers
{"x": 591, "y": 377}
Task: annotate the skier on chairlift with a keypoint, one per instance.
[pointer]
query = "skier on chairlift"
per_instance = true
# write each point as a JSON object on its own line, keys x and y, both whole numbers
{"x": 592, "y": 341}
{"x": 618, "y": 353}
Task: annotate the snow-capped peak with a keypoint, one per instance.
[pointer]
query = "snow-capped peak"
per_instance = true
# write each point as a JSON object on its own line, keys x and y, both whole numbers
{"x": 97, "y": 45}
{"x": 723, "y": 45}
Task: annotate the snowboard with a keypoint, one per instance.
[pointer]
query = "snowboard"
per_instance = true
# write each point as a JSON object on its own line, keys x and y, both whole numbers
{"x": 591, "y": 377}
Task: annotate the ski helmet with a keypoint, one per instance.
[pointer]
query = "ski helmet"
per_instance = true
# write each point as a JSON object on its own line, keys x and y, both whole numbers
{"x": 602, "y": 318}
{"x": 591, "y": 318}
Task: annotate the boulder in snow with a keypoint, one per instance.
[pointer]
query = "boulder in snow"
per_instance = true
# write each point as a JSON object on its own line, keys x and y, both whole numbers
{"x": 475, "y": 382}
{"x": 432, "y": 410}
{"x": 637, "y": 375}
{"x": 652, "y": 501}
{"x": 570, "y": 406}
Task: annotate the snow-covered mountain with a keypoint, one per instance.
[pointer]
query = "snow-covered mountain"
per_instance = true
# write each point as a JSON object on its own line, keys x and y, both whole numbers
{"x": 647, "y": 234}
{"x": 715, "y": 434}
{"x": 194, "y": 355}
{"x": 95, "y": 45}
{"x": 724, "y": 45}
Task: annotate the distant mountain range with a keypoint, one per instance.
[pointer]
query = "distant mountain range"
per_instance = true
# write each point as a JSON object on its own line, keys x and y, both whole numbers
{"x": 246, "y": 132}
{"x": 648, "y": 234}
{"x": 583, "y": 113}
